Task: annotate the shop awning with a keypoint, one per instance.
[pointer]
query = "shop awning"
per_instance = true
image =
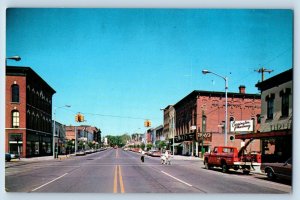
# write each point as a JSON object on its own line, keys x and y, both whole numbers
{"x": 264, "y": 135}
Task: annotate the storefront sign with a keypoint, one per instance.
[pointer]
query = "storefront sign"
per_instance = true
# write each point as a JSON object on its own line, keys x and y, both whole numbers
{"x": 241, "y": 126}
{"x": 206, "y": 137}
{"x": 185, "y": 137}
{"x": 277, "y": 127}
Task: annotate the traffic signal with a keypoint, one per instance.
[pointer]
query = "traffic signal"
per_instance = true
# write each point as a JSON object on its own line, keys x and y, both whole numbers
{"x": 147, "y": 123}
{"x": 79, "y": 118}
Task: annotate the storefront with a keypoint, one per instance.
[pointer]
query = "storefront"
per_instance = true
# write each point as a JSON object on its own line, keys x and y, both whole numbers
{"x": 276, "y": 146}
{"x": 16, "y": 143}
{"x": 38, "y": 145}
{"x": 187, "y": 144}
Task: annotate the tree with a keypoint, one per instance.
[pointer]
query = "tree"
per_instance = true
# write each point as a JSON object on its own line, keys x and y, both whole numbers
{"x": 80, "y": 145}
{"x": 149, "y": 146}
{"x": 161, "y": 144}
{"x": 91, "y": 145}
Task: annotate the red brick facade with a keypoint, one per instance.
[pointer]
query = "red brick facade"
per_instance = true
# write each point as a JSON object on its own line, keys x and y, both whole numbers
{"x": 28, "y": 113}
{"x": 199, "y": 105}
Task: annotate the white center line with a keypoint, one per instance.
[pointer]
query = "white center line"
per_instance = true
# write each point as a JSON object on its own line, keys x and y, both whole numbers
{"x": 49, "y": 182}
{"x": 176, "y": 178}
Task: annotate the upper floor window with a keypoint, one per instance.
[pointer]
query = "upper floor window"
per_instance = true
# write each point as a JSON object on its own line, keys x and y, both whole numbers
{"x": 204, "y": 120}
{"x": 15, "y": 119}
{"x": 15, "y": 93}
{"x": 285, "y": 102}
{"x": 270, "y": 106}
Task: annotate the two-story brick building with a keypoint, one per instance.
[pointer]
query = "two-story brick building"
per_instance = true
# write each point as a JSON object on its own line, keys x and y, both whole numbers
{"x": 28, "y": 109}
{"x": 85, "y": 133}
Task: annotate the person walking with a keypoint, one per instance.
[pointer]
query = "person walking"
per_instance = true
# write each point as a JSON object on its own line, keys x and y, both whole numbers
{"x": 143, "y": 156}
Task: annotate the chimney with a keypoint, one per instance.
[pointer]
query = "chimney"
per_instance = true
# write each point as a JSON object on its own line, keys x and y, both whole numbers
{"x": 242, "y": 89}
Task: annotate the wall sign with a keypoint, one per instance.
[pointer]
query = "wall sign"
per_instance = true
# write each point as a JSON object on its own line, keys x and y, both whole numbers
{"x": 241, "y": 126}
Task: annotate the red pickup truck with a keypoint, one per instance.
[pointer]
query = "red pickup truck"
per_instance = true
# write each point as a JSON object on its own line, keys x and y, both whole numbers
{"x": 230, "y": 158}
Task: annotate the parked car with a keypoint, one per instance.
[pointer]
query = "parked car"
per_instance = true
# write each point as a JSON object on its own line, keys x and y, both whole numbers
{"x": 7, "y": 157}
{"x": 156, "y": 153}
{"x": 278, "y": 170}
{"x": 14, "y": 156}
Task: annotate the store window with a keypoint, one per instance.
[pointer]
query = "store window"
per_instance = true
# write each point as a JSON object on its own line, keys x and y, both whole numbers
{"x": 15, "y": 119}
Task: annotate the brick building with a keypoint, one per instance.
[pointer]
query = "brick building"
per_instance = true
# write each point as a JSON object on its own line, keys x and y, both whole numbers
{"x": 85, "y": 133}
{"x": 204, "y": 112}
{"x": 28, "y": 121}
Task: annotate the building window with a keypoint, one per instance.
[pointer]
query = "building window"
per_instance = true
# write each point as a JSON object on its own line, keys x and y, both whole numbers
{"x": 258, "y": 118}
{"x": 285, "y": 102}
{"x": 270, "y": 106}
{"x": 15, "y": 119}
{"x": 15, "y": 93}
{"x": 204, "y": 123}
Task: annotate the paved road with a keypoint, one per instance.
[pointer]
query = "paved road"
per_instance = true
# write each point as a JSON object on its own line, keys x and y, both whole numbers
{"x": 118, "y": 171}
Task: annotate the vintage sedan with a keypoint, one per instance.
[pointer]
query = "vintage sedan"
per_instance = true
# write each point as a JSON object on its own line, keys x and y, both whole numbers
{"x": 278, "y": 170}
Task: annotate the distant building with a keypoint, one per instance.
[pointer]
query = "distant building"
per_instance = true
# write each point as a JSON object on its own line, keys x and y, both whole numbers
{"x": 276, "y": 117}
{"x": 200, "y": 116}
{"x": 60, "y": 137}
{"x": 159, "y": 137}
{"x": 85, "y": 134}
{"x": 105, "y": 141}
{"x": 148, "y": 136}
{"x": 169, "y": 126}
{"x": 28, "y": 123}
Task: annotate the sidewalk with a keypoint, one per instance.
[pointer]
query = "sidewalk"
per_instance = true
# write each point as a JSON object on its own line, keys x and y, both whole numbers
{"x": 181, "y": 157}
{"x": 24, "y": 161}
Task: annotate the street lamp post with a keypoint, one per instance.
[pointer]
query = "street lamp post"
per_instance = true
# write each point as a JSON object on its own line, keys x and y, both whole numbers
{"x": 15, "y": 58}
{"x": 226, "y": 88}
{"x": 53, "y": 137}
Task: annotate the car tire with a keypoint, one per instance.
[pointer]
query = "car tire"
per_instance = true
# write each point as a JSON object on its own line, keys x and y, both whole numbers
{"x": 224, "y": 168}
{"x": 270, "y": 174}
{"x": 207, "y": 166}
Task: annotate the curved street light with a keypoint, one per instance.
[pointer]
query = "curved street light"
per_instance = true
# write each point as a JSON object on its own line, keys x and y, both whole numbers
{"x": 205, "y": 71}
{"x": 15, "y": 58}
{"x": 53, "y": 137}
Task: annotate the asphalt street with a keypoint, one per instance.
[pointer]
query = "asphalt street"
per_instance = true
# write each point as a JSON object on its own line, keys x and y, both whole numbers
{"x": 118, "y": 171}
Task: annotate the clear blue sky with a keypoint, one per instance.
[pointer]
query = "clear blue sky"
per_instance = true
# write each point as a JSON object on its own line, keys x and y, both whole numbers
{"x": 120, "y": 66}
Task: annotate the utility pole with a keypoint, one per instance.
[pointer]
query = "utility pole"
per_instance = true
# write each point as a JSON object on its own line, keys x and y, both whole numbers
{"x": 262, "y": 71}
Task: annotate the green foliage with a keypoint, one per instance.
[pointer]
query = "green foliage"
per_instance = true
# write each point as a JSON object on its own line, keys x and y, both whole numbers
{"x": 91, "y": 145}
{"x": 149, "y": 146}
{"x": 118, "y": 140}
{"x": 162, "y": 144}
{"x": 142, "y": 146}
{"x": 80, "y": 145}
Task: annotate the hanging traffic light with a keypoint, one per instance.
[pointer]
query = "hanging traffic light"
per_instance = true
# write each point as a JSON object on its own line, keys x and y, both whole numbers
{"x": 79, "y": 118}
{"x": 147, "y": 123}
